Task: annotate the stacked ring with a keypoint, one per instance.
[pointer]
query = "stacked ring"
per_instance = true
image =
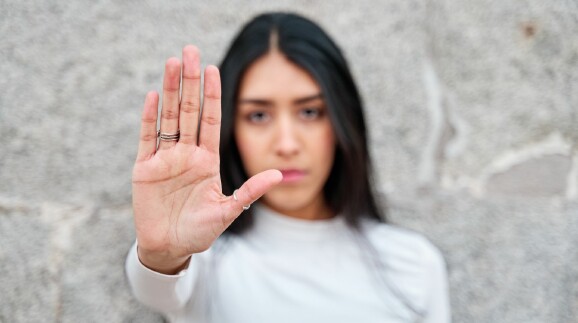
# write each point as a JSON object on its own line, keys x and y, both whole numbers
{"x": 169, "y": 136}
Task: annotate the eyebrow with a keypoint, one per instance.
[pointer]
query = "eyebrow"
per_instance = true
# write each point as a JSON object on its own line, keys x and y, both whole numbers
{"x": 264, "y": 102}
{"x": 308, "y": 98}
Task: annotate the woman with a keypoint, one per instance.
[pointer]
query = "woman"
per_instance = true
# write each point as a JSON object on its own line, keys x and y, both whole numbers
{"x": 314, "y": 248}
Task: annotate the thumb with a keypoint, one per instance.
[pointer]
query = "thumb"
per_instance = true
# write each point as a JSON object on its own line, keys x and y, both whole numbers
{"x": 254, "y": 188}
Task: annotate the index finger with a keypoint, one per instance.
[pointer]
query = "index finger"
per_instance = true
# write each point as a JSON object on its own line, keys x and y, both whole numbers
{"x": 210, "y": 131}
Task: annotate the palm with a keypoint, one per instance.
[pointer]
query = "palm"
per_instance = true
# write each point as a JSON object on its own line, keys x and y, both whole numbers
{"x": 178, "y": 204}
{"x": 184, "y": 187}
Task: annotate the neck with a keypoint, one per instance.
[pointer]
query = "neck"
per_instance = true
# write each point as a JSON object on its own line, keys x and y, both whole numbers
{"x": 316, "y": 210}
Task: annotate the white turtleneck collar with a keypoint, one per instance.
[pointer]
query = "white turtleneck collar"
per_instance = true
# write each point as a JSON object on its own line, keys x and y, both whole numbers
{"x": 269, "y": 223}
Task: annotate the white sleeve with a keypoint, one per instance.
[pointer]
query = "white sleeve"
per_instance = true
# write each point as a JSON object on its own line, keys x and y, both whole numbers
{"x": 164, "y": 293}
{"x": 438, "y": 306}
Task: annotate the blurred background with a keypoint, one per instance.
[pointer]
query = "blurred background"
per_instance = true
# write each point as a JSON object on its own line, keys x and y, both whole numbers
{"x": 473, "y": 114}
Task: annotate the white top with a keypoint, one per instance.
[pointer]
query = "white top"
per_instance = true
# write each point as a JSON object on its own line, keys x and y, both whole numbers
{"x": 291, "y": 270}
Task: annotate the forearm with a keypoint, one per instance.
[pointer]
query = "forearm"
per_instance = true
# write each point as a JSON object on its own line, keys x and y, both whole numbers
{"x": 164, "y": 293}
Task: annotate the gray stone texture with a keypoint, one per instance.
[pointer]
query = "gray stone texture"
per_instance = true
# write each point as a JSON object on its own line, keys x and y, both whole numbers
{"x": 473, "y": 114}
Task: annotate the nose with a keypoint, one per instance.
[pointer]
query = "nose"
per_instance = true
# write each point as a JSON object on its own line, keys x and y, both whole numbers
{"x": 286, "y": 138}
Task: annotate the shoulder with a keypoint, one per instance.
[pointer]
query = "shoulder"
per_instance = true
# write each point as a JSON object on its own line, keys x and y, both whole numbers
{"x": 414, "y": 264}
{"x": 400, "y": 244}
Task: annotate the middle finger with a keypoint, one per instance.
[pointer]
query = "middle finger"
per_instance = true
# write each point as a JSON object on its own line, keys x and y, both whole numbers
{"x": 190, "y": 99}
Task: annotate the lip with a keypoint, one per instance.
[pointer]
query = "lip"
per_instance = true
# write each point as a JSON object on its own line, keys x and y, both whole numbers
{"x": 292, "y": 175}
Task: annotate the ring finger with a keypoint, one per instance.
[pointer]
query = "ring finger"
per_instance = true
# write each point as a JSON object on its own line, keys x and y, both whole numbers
{"x": 170, "y": 109}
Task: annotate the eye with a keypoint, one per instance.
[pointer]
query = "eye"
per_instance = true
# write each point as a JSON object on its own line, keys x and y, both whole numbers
{"x": 258, "y": 117}
{"x": 311, "y": 113}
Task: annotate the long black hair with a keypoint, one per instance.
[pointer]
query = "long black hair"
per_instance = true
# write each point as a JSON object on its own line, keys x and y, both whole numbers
{"x": 348, "y": 190}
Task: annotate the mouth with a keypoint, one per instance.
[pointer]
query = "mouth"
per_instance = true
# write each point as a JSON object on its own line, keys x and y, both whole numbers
{"x": 292, "y": 175}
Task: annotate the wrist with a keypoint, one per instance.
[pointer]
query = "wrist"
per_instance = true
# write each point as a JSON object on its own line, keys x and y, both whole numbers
{"x": 162, "y": 262}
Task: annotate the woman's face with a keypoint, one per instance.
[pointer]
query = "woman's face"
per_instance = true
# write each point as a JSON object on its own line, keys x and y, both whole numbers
{"x": 282, "y": 123}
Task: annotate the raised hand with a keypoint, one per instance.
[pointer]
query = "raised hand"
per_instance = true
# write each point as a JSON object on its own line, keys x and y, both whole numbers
{"x": 179, "y": 207}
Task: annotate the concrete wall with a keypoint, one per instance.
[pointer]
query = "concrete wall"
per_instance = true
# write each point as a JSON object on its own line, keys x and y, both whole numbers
{"x": 472, "y": 106}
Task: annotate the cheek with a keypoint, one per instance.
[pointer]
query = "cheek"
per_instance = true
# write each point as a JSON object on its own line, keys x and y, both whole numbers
{"x": 249, "y": 150}
{"x": 325, "y": 146}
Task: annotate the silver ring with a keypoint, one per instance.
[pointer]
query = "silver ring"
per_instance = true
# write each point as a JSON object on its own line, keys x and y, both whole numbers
{"x": 245, "y": 207}
{"x": 169, "y": 136}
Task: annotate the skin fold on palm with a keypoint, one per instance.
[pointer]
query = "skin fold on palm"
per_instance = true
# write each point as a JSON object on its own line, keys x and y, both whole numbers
{"x": 179, "y": 207}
